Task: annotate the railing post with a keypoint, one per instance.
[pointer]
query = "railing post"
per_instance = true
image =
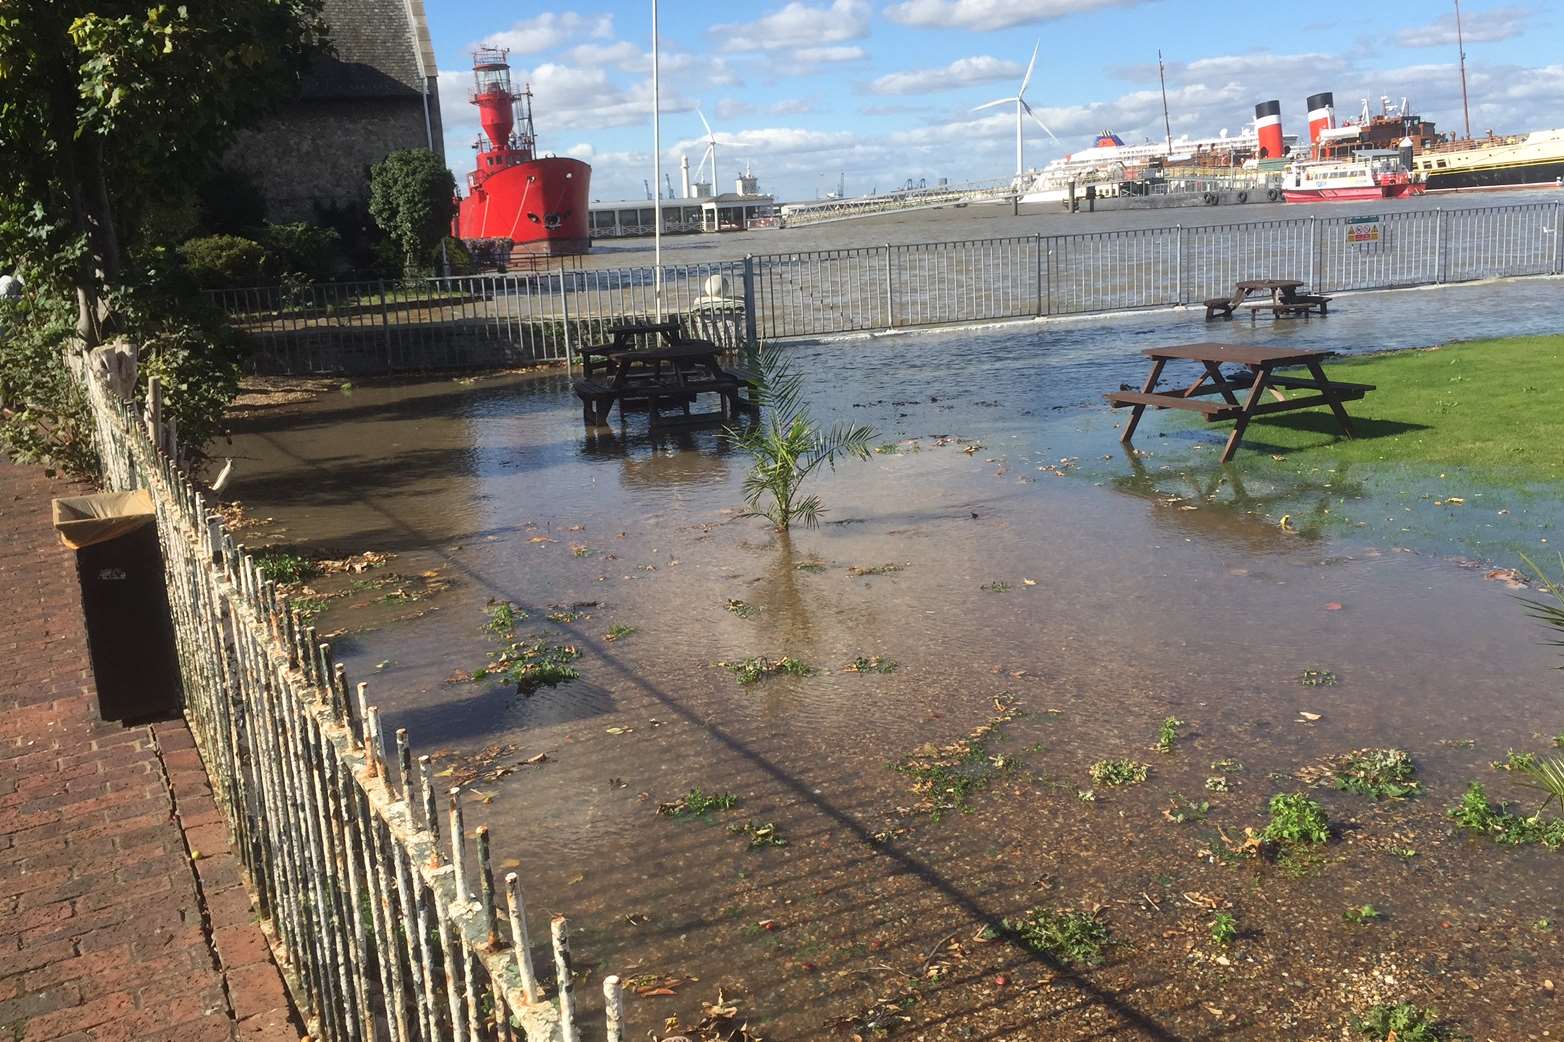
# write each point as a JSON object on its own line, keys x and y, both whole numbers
{"x": 564, "y": 310}
{"x": 1314, "y": 255}
{"x": 1439, "y": 246}
{"x": 890, "y": 299}
{"x": 1037, "y": 245}
{"x": 1178, "y": 265}
{"x": 750, "y": 321}
{"x": 385, "y": 321}
{"x": 1558, "y": 259}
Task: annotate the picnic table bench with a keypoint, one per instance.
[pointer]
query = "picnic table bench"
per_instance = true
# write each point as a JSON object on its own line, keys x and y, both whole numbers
{"x": 676, "y": 374}
{"x": 1256, "y": 376}
{"x": 595, "y": 356}
{"x": 1285, "y": 300}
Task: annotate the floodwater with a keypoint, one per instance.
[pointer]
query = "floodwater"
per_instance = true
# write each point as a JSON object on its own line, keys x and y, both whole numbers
{"x": 1091, "y": 602}
{"x": 996, "y": 220}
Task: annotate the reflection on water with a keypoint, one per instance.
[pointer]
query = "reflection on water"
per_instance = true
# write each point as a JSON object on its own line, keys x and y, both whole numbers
{"x": 1102, "y": 609}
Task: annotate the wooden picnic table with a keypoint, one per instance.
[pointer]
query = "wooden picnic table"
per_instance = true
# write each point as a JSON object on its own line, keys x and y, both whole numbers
{"x": 1284, "y": 299}
{"x": 1257, "y": 376}
{"x": 595, "y": 356}
{"x": 676, "y": 373}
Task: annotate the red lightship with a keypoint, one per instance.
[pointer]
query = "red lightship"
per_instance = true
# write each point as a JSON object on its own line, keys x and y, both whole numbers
{"x": 540, "y": 204}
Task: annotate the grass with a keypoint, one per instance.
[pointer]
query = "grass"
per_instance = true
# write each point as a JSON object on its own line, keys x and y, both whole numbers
{"x": 503, "y": 618}
{"x": 1489, "y": 403}
{"x": 1363, "y": 915}
{"x": 284, "y": 566}
{"x": 1380, "y": 773}
{"x": 1224, "y": 929}
{"x": 618, "y": 632}
{"x": 309, "y": 607}
{"x": 1476, "y": 813}
{"x": 1402, "y": 1022}
{"x": 871, "y": 664}
{"x": 1073, "y": 938}
{"x": 946, "y": 777}
{"x": 1113, "y": 772}
{"x": 698, "y": 804}
{"x": 753, "y": 670}
{"x": 531, "y": 664}
{"x": 1295, "y": 819}
{"x": 1168, "y": 733}
{"x": 762, "y": 834}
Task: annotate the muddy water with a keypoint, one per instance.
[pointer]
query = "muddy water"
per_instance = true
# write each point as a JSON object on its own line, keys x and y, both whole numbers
{"x": 1100, "y": 612}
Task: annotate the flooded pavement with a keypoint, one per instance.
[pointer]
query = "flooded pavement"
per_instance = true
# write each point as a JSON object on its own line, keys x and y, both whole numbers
{"x": 1061, "y": 618}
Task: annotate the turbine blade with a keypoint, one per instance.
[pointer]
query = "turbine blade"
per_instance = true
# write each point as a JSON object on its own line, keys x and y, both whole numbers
{"x": 702, "y": 115}
{"x": 1029, "y": 67}
{"x": 991, "y": 104}
{"x": 1039, "y": 122}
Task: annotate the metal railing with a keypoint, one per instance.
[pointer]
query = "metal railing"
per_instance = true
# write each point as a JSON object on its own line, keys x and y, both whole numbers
{"x": 514, "y": 319}
{"x": 383, "y": 931}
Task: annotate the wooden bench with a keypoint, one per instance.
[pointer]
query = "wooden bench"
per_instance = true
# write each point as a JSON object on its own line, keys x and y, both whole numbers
{"x": 598, "y": 398}
{"x": 1225, "y": 305}
{"x": 1212, "y": 411}
{"x": 1278, "y": 309}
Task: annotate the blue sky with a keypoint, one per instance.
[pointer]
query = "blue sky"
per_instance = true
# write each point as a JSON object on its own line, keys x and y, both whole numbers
{"x": 882, "y": 91}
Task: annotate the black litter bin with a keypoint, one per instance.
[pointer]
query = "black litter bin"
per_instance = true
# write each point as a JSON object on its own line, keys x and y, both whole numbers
{"x": 130, "y": 635}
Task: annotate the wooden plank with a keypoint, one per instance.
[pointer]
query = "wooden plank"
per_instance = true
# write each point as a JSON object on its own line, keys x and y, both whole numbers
{"x": 1306, "y": 403}
{"x": 1121, "y": 399}
{"x": 1298, "y": 382}
{"x": 1238, "y": 354}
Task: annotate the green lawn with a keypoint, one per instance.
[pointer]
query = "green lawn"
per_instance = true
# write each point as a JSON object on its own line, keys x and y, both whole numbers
{"x": 1494, "y": 407}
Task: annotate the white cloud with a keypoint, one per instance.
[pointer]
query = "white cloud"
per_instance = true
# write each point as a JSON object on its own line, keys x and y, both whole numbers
{"x": 551, "y": 29}
{"x": 1501, "y": 23}
{"x": 798, "y": 24}
{"x": 732, "y": 108}
{"x": 991, "y": 14}
{"x": 962, "y": 72}
{"x": 826, "y": 55}
{"x": 790, "y": 107}
{"x": 620, "y": 54}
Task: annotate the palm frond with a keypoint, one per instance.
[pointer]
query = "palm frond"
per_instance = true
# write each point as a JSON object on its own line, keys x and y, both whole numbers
{"x": 1547, "y": 777}
{"x": 1549, "y": 613}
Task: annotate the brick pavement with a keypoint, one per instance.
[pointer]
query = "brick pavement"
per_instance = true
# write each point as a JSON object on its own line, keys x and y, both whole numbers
{"x": 122, "y": 911}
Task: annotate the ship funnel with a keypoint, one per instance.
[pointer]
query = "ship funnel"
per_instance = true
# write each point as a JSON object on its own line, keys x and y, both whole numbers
{"x": 1268, "y": 129}
{"x": 491, "y": 93}
{"x": 1322, "y": 115}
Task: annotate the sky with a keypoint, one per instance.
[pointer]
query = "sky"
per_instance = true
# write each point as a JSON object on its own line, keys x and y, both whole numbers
{"x": 875, "y": 93}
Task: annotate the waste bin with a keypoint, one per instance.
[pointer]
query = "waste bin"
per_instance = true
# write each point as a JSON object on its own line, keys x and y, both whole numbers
{"x": 130, "y": 635}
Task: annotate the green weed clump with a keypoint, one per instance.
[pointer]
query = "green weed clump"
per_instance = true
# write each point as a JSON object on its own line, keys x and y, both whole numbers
{"x": 531, "y": 664}
{"x": 871, "y": 664}
{"x": 284, "y": 566}
{"x": 698, "y": 804}
{"x": 618, "y": 632}
{"x": 1168, "y": 733}
{"x": 1074, "y": 938}
{"x": 753, "y": 670}
{"x": 1317, "y": 678}
{"x": 1184, "y": 810}
{"x": 1363, "y": 915}
{"x": 1118, "y": 772}
{"x": 1403, "y": 1022}
{"x": 1295, "y": 819}
{"x": 1475, "y": 813}
{"x": 946, "y": 777}
{"x": 503, "y": 618}
{"x": 1380, "y": 773}
{"x": 1224, "y": 929}
{"x": 743, "y": 609}
{"x": 761, "y": 834}
{"x": 860, "y": 570}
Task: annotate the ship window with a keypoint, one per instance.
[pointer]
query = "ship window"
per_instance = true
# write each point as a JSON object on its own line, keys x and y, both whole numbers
{"x": 1440, "y": 164}
{"x": 533, "y": 218}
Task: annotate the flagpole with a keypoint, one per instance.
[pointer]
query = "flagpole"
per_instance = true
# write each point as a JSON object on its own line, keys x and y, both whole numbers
{"x": 657, "y": 171}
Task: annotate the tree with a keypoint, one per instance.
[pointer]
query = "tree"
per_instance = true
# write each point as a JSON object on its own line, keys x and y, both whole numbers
{"x": 411, "y": 197}
{"x": 107, "y": 106}
{"x": 788, "y": 446}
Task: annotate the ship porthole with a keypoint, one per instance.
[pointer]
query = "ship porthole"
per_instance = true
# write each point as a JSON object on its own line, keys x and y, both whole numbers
{"x": 533, "y": 218}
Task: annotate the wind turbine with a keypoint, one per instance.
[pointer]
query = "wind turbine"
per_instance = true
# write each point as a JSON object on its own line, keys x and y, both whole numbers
{"x": 710, "y": 154}
{"x": 1021, "y": 107}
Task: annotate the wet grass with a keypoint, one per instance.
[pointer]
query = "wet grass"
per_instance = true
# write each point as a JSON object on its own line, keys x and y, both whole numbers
{"x": 618, "y": 632}
{"x": 1186, "y": 810}
{"x": 870, "y": 664}
{"x": 1403, "y": 1022}
{"x": 1118, "y": 771}
{"x": 743, "y": 609}
{"x": 284, "y": 566}
{"x": 1379, "y": 773}
{"x": 754, "y": 670}
{"x": 762, "y": 834}
{"x": 1362, "y": 915}
{"x": 1168, "y": 733}
{"x": 1295, "y": 819}
{"x": 698, "y": 804}
{"x": 1072, "y": 937}
{"x": 502, "y": 619}
{"x": 1477, "y": 813}
{"x": 945, "y": 778}
{"x": 1317, "y": 678}
{"x": 874, "y": 569}
{"x": 532, "y": 664}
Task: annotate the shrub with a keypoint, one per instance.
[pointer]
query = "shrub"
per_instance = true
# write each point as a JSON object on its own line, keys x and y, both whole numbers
{"x": 1074, "y": 938}
{"x": 411, "y": 197}
{"x": 303, "y": 249}
{"x": 43, "y": 414}
{"x": 225, "y": 261}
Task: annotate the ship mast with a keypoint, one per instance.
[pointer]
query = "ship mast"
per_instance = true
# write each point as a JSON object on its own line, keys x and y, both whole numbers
{"x": 1167, "y": 126}
{"x": 1460, "y": 43}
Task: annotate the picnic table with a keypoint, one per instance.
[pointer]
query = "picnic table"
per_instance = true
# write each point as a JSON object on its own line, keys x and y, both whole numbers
{"x": 677, "y": 373}
{"x": 595, "y": 356}
{"x": 1257, "y": 375}
{"x": 1284, "y": 299}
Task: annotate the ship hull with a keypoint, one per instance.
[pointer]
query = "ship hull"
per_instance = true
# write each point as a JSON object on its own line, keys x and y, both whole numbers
{"x": 1514, "y": 176}
{"x": 1351, "y": 194}
{"x": 540, "y": 205}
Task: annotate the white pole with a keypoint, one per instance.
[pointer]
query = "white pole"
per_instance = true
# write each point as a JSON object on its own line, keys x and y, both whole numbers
{"x": 1020, "y": 167}
{"x": 657, "y": 170}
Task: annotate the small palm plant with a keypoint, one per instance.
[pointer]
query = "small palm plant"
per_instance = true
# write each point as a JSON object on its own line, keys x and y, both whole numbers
{"x": 1547, "y": 775}
{"x": 787, "y": 446}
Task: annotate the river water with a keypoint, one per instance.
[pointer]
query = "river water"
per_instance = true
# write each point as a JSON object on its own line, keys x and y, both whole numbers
{"x": 1092, "y": 604}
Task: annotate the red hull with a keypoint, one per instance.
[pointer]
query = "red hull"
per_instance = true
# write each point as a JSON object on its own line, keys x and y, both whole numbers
{"x": 540, "y": 205}
{"x": 1347, "y": 195}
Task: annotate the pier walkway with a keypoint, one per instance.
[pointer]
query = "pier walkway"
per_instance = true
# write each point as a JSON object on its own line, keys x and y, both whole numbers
{"x": 122, "y": 913}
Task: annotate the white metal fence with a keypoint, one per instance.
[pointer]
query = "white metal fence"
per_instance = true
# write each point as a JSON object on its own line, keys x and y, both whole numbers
{"x": 498, "y": 320}
{"x": 386, "y": 929}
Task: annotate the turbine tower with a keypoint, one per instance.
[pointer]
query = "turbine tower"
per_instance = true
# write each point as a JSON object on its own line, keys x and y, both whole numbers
{"x": 710, "y": 155}
{"x": 1022, "y": 108}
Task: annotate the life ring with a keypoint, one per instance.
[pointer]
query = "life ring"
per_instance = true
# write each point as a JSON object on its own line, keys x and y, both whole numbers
{"x": 1273, "y": 194}
{"x": 1209, "y": 199}
{"x": 1243, "y": 197}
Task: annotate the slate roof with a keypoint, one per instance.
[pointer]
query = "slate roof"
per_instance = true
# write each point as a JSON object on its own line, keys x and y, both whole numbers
{"x": 383, "y": 51}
